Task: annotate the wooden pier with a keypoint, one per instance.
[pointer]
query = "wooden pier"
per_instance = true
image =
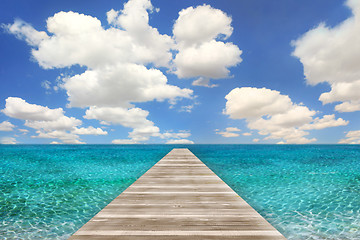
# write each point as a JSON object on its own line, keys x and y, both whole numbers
{"x": 178, "y": 198}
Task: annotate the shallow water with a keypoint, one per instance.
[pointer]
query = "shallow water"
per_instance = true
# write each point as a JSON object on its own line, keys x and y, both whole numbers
{"x": 48, "y": 192}
{"x": 306, "y": 192}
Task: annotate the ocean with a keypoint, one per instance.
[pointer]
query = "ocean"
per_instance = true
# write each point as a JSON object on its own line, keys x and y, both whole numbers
{"x": 305, "y": 191}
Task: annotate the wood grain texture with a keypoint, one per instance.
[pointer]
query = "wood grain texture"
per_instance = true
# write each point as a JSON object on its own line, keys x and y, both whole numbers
{"x": 178, "y": 198}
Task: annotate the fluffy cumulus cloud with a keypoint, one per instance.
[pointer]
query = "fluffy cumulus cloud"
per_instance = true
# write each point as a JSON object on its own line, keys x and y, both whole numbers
{"x": 135, "y": 118}
{"x": 65, "y": 136}
{"x": 147, "y": 41}
{"x": 132, "y": 118}
{"x": 325, "y": 122}
{"x": 80, "y": 39}
{"x": 177, "y": 135}
{"x": 201, "y": 24}
{"x": 6, "y": 126}
{"x": 332, "y": 55}
{"x": 352, "y": 137}
{"x": 248, "y": 102}
{"x": 123, "y": 141}
{"x": 119, "y": 85}
{"x": 23, "y": 131}
{"x": 200, "y": 34}
{"x": 25, "y": 31}
{"x": 8, "y": 140}
{"x": 120, "y": 64}
{"x": 121, "y": 61}
{"x": 89, "y": 131}
{"x": 229, "y": 132}
{"x": 48, "y": 123}
{"x": 210, "y": 60}
{"x": 173, "y": 137}
{"x": 18, "y": 108}
{"x": 64, "y": 123}
{"x": 275, "y": 116}
{"x": 179, "y": 141}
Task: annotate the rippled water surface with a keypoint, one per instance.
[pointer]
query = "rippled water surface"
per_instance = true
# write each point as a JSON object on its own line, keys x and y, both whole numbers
{"x": 48, "y": 192}
{"x": 307, "y": 192}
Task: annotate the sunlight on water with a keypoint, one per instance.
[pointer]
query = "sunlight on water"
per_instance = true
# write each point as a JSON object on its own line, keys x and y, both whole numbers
{"x": 48, "y": 192}
{"x": 306, "y": 192}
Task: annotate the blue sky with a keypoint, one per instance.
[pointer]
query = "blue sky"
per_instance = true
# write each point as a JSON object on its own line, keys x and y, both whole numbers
{"x": 187, "y": 72}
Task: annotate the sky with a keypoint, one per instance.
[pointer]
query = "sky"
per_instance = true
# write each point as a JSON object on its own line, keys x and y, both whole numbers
{"x": 184, "y": 71}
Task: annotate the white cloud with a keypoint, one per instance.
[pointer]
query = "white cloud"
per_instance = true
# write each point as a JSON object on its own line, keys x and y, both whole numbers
{"x": 25, "y": 31}
{"x": 342, "y": 91}
{"x": 179, "y": 141}
{"x": 203, "y": 82}
{"x": 346, "y": 92}
{"x": 300, "y": 140}
{"x": 65, "y": 137}
{"x": 210, "y": 60}
{"x": 6, "y": 126}
{"x": 256, "y": 140}
{"x": 296, "y": 116}
{"x": 144, "y": 133}
{"x": 325, "y": 122}
{"x": 201, "y": 52}
{"x": 62, "y": 123}
{"x": 89, "y": 131}
{"x": 331, "y": 55}
{"x": 187, "y": 108}
{"x": 49, "y": 123}
{"x": 247, "y": 134}
{"x": 24, "y": 131}
{"x": 111, "y": 16}
{"x": 232, "y": 129}
{"x": 135, "y": 118}
{"x": 46, "y": 84}
{"x": 20, "y": 109}
{"x": 350, "y": 106}
{"x": 248, "y": 102}
{"x": 134, "y": 19}
{"x": 123, "y": 141}
{"x": 201, "y": 24}
{"x": 119, "y": 86}
{"x": 114, "y": 57}
{"x": 132, "y": 118}
{"x": 121, "y": 61}
{"x": 80, "y": 39}
{"x": 55, "y": 142}
{"x": 181, "y": 134}
{"x": 352, "y": 137}
{"x": 275, "y": 116}
{"x": 229, "y": 132}
{"x": 8, "y": 140}
{"x": 116, "y": 60}
{"x": 290, "y": 135}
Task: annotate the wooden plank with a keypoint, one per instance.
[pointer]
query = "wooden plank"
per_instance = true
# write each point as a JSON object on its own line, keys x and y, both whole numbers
{"x": 178, "y": 198}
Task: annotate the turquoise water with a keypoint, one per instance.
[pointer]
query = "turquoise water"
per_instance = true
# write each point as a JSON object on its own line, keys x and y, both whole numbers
{"x": 307, "y": 192}
{"x": 48, "y": 192}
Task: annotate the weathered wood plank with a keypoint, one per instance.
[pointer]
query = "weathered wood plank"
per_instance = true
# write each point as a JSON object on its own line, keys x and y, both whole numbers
{"x": 178, "y": 198}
